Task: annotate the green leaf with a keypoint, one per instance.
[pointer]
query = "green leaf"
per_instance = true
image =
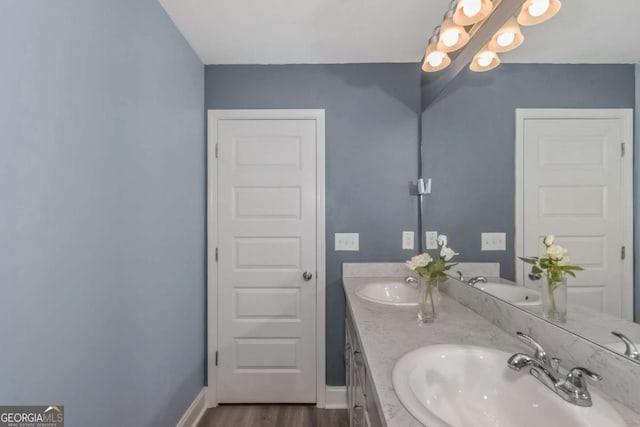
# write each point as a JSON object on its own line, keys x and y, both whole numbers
{"x": 571, "y": 273}
{"x": 536, "y": 270}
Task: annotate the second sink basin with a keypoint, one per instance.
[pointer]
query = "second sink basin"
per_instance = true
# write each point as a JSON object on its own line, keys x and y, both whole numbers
{"x": 393, "y": 292}
{"x": 518, "y": 295}
{"x": 460, "y": 386}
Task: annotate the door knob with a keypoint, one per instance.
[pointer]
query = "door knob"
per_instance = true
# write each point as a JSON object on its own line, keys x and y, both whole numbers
{"x": 307, "y": 276}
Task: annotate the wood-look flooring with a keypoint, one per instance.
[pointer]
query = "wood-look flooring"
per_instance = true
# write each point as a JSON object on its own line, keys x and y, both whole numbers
{"x": 273, "y": 416}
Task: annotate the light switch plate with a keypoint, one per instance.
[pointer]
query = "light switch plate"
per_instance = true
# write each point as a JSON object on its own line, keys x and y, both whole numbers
{"x": 407, "y": 240}
{"x": 494, "y": 241}
{"x": 431, "y": 239}
{"x": 347, "y": 242}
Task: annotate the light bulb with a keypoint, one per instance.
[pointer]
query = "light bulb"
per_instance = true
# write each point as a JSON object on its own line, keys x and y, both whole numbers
{"x": 485, "y": 59}
{"x": 435, "y": 59}
{"x": 472, "y": 7}
{"x": 450, "y": 38}
{"x": 538, "y": 7}
{"x": 506, "y": 38}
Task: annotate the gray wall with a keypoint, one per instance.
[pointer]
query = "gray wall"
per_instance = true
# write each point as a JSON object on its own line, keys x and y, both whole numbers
{"x": 468, "y": 136}
{"x": 371, "y": 147}
{"x": 101, "y": 211}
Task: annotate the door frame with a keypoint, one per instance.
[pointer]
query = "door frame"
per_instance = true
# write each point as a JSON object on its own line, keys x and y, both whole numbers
{"x": 213, "y": 116}
{"x": 626, "y": 117}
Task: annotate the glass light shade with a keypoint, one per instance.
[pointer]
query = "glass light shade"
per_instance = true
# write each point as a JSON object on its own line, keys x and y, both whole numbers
{"x": 538, "y": 7}
{"x": 507, "y": 38}
{"x": 534, "y": 12}
{"x": 468, "y": 12}
{"x": 484, "y": 60}
{"x": 452, "y": 36}
{"x": 434, "y": 59}
{"x": 471, "y": 7}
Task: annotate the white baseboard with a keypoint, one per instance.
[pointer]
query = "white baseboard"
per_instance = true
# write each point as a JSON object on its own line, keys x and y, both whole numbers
{"x": 195, "y": 411}
{"x": 336, "y": 397}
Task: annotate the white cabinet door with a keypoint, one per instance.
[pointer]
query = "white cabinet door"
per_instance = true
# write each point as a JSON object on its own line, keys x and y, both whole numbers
{"x": 572, "y": 186}
{"x": 267, "y": 240}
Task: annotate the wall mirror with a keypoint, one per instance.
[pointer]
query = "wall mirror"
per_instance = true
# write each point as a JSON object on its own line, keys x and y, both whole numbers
{"x": 543, "y": 144}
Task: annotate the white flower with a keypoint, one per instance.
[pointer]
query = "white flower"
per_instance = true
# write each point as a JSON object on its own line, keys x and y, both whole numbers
{"x": 556, "y": 252}
{"x": 564, "y": 261}
{"x": 421, "y": 260}
{"x": 447, "y": 253}
{"x": 548, "y": 240}
{"x": 442, "y": 240}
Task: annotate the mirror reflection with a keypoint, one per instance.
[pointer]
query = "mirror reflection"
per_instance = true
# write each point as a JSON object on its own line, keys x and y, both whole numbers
{"x": 544, "y": 144}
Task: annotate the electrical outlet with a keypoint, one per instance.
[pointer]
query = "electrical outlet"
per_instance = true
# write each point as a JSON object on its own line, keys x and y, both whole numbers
{"x": 494, "y": 241}
{"x": 431, "y": 239}
{"x": 407, "y": 240}
{"x": 347, "y": 242}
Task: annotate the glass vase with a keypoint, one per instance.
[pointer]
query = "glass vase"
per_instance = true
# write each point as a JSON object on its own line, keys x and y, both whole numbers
{"x": 428, "y": 301}
{"x": 554, "y": 300}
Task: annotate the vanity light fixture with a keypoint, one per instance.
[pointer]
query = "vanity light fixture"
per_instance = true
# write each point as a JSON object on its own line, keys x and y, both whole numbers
{"x": 507, "y": 38}
{"x": 465, "y": 17}
{"x": 537, "y": 11}
{"x": 435, "y": 59}
{"x": 468, "y": 12}
{"x": 484, "y": 60}
{"x": 452, "y": 36}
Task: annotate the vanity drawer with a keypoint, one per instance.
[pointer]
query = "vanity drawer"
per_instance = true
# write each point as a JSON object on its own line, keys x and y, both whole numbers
{"x": 358, "y": 410}
{"x": 356, "y": 353}
{"x": 373, "y": 416}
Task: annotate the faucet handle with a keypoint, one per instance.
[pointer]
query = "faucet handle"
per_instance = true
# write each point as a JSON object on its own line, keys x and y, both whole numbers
{"x": 630, "y": 350}
{"x": 575, "y": 378}
{"x": 574, "y": 386}
{"x": 460, "y": 276}
{"x": 540, "y": 354}
{"x": 579, "y": 372}
{"x": 477, "y": 279}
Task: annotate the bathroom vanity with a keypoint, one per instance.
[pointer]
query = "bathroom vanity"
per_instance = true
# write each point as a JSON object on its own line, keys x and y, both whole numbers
{"x": 378, "y": 335}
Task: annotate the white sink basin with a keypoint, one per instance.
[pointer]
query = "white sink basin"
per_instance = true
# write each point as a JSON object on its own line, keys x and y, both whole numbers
{"x": 518, "y": 295}
{"x": 389, "y": 292}
{"x": 455, "y": 385}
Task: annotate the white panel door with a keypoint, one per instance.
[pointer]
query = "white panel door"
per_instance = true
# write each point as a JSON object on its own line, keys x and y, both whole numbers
{"x": 267, "y": 240}
{"x": 572, "y": 187}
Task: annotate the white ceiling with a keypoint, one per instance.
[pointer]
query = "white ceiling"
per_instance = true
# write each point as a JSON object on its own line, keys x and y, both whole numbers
{"x": 351, "y": 31}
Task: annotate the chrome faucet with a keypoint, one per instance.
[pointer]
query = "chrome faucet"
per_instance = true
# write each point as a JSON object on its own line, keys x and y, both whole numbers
{"x": 569, "y": 385}
{"x": 630, "y": 351}
{"x": 412, "y": 281}
{"x": 477, "y": 279}
{"x": 460, "y": 276}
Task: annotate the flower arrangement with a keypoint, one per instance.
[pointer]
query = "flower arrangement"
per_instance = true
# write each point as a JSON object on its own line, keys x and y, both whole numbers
{"x": 555, "y": 265}
{"x": 432, "y": 271}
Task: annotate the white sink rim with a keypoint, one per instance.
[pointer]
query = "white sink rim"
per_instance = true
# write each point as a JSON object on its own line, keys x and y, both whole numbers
{"x": 396, "y": 285}
{"x": 519, "y": 290}
{"x": 516, "y": 385}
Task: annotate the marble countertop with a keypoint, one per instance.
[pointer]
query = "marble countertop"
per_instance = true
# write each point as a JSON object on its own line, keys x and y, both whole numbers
{"x": 387, "y": 332}
{"x": 589, "y": 323}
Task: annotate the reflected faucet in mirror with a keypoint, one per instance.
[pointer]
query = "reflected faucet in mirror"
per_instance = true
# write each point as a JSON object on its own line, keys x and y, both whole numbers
{"x": 478, "y": 279}
{"x": 631, "y": 350}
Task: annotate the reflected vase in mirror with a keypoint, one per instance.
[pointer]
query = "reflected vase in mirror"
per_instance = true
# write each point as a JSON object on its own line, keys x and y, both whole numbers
{"x": 554, "y": 264}
{"x": 428, "y": 300}
{"x": 554, "y": 300}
